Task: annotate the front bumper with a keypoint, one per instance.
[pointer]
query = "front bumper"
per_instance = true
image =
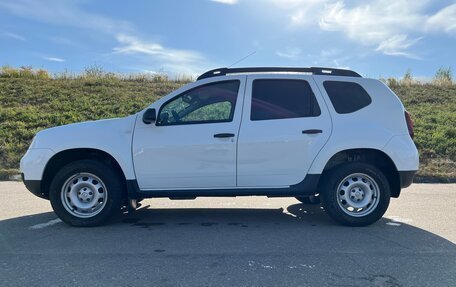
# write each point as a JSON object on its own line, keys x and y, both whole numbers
{"x": 34, "y": 162}
{"x": 32, "y": 167}
{"x": 34, "y": 186}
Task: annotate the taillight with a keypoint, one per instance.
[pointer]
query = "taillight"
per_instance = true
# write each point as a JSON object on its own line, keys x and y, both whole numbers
{"x": 409, "y": 121}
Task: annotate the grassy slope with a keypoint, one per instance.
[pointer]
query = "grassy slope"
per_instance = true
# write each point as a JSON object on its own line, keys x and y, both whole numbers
{"x": 433, "y": 110}
{"x": 29, "y": 105}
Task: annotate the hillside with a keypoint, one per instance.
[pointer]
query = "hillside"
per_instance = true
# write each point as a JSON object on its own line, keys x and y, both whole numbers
{"x": 29, "y": 104}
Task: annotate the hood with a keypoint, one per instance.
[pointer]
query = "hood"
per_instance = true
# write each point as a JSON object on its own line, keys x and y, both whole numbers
{"x": 84, "y": 134}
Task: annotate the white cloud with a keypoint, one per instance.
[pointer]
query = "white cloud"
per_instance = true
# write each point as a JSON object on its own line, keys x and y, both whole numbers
{"x": 444, "y": 20}
{"x": 291, "y": 53}
{"x": 380, "y": 24}
{"x": 298, "y": 18}
{"x": 72, "y": 14}
{"x": 391, "y": 27}
{"x": 54, "y": 59}
{"x": 132, "y": 45}
{"x": 229, "y": 2}
{"x": 66, "y": 13}
{"x": 14, "y": 36}
{"x": 397, "y": 45}
{"x": 168, "y": 59}
{"x": 331, "y": 52}
{"x": 301, "y": 4}
{"x": 304, "y": 12}
{"x": 331, "y": 57}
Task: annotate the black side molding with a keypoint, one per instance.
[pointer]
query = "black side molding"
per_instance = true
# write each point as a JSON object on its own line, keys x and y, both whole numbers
{"x": 309, "y": 186}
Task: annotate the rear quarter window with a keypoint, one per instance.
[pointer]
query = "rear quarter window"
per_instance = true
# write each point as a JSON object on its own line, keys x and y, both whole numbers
{"x": 347, "y": 97}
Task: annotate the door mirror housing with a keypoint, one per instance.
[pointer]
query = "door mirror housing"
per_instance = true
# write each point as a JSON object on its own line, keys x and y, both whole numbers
{"x": 149, "y": 116}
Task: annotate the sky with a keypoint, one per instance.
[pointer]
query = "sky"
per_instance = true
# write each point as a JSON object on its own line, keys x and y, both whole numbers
{"x": 379, "y": 38}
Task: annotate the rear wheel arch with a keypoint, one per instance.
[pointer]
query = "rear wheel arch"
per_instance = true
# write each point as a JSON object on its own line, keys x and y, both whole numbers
{"x": 65, "y": 157}
{"x": 375, "y": 157}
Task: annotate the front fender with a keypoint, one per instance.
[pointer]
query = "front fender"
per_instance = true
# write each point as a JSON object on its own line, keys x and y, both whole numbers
{"x": 113, "y": 136}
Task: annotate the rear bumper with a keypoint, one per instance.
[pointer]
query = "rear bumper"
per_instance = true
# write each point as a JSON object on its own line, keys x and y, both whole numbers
{"x": 406, "y": 177}
{"x": 34, "y": 186}
{"x": 402, "y": 151}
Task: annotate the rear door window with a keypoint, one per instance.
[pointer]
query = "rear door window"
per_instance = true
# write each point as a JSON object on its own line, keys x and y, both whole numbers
{"x": 282, "y": 99}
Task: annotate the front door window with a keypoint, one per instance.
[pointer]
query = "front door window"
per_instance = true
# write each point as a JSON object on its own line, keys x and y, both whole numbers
{"x": 210, "y": 103}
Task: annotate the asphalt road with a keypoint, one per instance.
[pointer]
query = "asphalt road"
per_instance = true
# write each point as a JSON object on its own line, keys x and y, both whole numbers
{"x": 250, "y": 241}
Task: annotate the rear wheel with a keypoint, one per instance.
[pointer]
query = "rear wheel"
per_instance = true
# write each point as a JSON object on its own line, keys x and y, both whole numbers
{"x": 355, "y": 194}
{"x": 86, "y": 193}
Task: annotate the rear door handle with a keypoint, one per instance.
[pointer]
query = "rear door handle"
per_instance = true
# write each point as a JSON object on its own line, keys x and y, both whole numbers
{"x": 309, "y": 132}
{"x": 224, "y": 135}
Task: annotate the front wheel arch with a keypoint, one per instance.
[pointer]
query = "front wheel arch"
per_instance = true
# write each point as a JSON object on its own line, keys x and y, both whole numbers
{"x": 60, "y": 159}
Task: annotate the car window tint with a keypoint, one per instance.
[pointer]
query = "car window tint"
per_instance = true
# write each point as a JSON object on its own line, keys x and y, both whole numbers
{"x": 282, "y": 99}
{"x": 347, "y": 97}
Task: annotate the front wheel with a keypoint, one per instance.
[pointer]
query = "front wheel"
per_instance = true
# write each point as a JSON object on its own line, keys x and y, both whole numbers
{"x": 355, "y": 194}
{"x": 86, "y": 193}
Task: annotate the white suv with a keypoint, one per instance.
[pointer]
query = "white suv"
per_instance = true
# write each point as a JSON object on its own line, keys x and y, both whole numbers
{"x": 310, "y": 133}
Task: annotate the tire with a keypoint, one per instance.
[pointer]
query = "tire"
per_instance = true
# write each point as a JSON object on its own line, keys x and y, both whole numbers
{"x": 355, "y": 194}
{"x": 86, "y": 193}
{"x": 312, "y": 199}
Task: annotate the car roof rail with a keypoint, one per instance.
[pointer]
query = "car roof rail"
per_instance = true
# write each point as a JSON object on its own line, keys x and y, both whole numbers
{"x": 311, "y": 70}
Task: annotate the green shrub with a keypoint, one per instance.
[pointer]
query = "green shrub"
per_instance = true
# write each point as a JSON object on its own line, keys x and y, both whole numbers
{"x": 443, "y": 77}
{"x": 407, "y": 79}
{"x": 9, "y": 72}
{"x": 42, "y": 74}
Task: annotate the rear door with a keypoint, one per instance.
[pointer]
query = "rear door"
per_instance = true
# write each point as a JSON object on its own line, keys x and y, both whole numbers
{"x": 285, "y": 123}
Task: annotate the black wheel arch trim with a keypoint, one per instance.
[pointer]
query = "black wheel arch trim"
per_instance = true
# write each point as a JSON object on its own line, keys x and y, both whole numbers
{"x": 67, "y": 156}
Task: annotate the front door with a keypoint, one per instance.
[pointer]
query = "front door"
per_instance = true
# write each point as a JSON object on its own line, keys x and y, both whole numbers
{"x": 193, "y": 142}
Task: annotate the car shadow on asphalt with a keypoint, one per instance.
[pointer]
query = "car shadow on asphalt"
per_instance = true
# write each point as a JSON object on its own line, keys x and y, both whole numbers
{"x": 243, "y": 217}
{"x": 293, "y": 225}
{"x": 298, "y": 242}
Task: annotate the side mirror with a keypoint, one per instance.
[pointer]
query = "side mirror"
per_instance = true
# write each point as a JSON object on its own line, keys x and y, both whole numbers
{"x": 149, "y": 116}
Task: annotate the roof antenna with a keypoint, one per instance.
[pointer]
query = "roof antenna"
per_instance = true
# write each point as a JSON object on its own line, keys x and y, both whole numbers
{"x": 242, "y": 59}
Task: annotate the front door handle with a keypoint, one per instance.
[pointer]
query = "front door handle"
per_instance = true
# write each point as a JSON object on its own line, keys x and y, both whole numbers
{"x": 309, "y": 132}
{"x": 224, "y": 135}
